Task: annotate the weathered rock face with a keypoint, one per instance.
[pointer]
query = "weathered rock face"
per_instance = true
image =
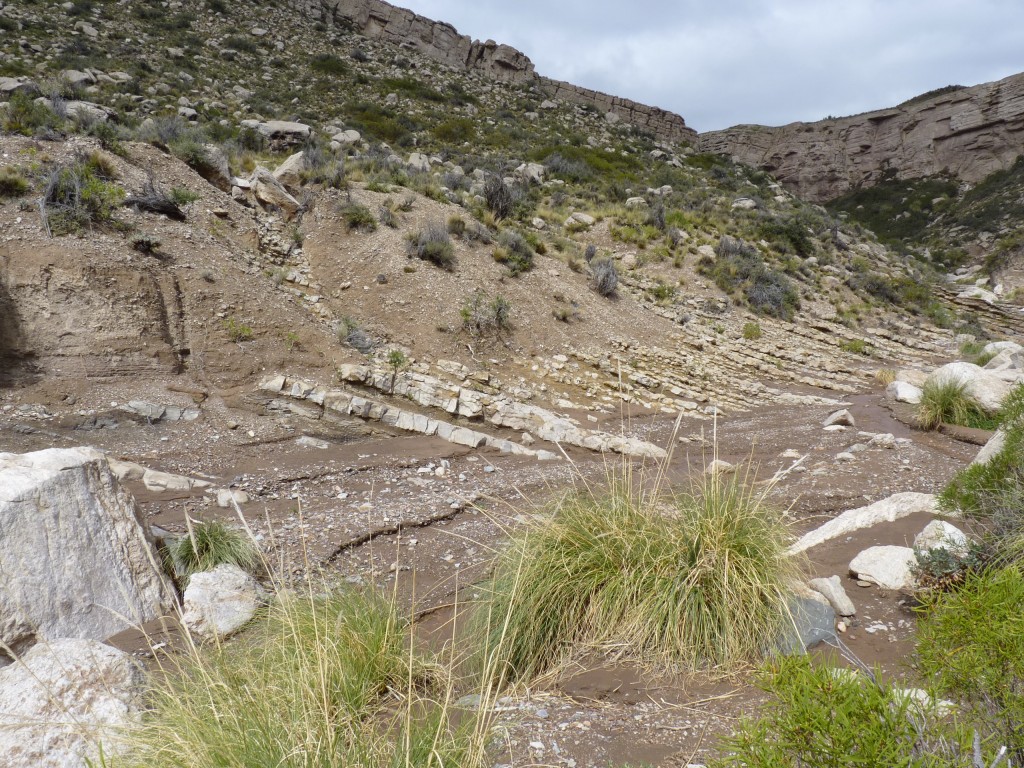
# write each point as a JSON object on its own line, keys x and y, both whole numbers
{"x": 437, "y": 40}
{"x": 65, "y": 698}
{"x": 75, "y": 559}
{"x": 970, "y": 133}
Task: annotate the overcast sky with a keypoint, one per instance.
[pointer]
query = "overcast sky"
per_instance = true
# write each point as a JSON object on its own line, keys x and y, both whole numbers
{"x": 723, "y": 62}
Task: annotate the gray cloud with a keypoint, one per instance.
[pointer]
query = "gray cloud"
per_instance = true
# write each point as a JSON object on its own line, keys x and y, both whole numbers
{"x": 753, "y": 61}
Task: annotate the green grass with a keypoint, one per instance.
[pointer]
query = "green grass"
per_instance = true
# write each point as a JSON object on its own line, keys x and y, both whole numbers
{"x": 695, "y": 578}
{"x": 319, "y": 682}
{"x": 752, "y": 331}
{"x": 210, "y": 543}
{"x": 948, "y": 402}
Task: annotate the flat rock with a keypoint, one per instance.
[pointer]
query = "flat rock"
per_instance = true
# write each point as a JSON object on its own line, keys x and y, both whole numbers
{"x": 888, "y": 510}
{"x": 903, "y": 392}
{"x": 842, "y": 418}
{"x": 887, "y": 566}
{"x": 939, "y": 534}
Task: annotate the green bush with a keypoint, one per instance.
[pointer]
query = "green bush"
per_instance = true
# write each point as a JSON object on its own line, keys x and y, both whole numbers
{"x": 822, "y": 717}
{"x": 739, "y": 268}
{"x": 752, "y": 331}
{"x": 237, "y": 330}
{"x": 457, "y": 130}
{"x": 514, "y": 252}
{"x": 26, "y": 116}
{"x": 971, "y": 644}
{"x": 80, "y": 194}
{"x": 485, "y": 317}
{"x": 358, "y": 217}
{"x": 328, "y": 64}
{"x": 698, "y": 578}
{"x": 433, "y": 244}
{"x": 12, "y": 183}
{"x": 210, "y": 543}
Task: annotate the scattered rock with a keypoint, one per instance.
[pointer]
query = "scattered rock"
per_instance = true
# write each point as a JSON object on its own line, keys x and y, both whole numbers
{"x": 939, "y": 534}
{"x": 228, "y": 497}
{"x": 832, "y": 589}
{"x": 903, "y": 392}
{"x": 888, "y": 510}
{"x": 840, "y": 418}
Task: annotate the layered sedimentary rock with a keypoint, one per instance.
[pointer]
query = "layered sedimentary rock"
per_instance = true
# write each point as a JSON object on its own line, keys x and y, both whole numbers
{"x": 969, "y": 133}
{"x": 440, "y": 41}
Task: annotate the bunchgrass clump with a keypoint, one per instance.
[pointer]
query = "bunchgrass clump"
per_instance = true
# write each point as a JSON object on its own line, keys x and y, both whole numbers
{"x": 12, "y": 183}
{"x": 752, "y": 331}
{"x": 604, "y": 277}
{"x": 210, "y": 543}
{"x": 358, "y": 217}
{"x": 318, "y": 681}
{"x": 697, "y": 578}
{"x": 81, "y": 194}
{"x": 433, "y": 244}
{"x": 947, "y": 401}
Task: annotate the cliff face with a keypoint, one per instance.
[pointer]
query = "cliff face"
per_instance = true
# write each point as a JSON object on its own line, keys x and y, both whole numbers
{"x": 968, "y": 133}
{"x": 437, "y": 40}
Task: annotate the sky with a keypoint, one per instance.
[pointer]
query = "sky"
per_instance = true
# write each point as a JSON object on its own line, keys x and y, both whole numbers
{"x": 724, "y": 62}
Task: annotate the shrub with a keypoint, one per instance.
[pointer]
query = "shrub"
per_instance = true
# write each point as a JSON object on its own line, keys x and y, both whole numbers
{"x": 856, "y": 347}
{"x": 456, "y": 226}
{"x": 947, "y": 401}
{"x": 943, "y": 568}
{"x": 698, "y": 578}
{"x": 514, "y": 252}
{"x": 210, "y": 543}
{"x": 752, "y": 331}
{"x": 971, "y": 643}
{"x": 604, "y": 277}
{"x": 154, "y": 199}
{"x": 182, "y": 196}
{"x": 739, "y": 268}
{"x": 499, "y": 197}
{"x": 79, "y": 195}
{"x": 12, "y": 183}
{"x": 237, "y": 330}
{"x": 147, "y": 244}
{"x": 822, "y": 716}
{"x": 386, "y": 216}
{"x": 28, "y": 117}
{"x": 320, "y": 681}
{"x": 327, "y": 64}
{"x": 358, "y": 217}
{"x": 484, "y": 317}
{"x": 590, "y": 253}
{"x": 433, "y": 244}
{"x": 351, "y": 332}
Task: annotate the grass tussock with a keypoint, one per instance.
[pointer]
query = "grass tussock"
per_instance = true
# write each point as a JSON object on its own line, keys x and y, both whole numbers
{"x": 210, "y": 543}
{"x": 321, "y": 682}
{"x": 697, "y": 579}
{"x": 948, "y": 402}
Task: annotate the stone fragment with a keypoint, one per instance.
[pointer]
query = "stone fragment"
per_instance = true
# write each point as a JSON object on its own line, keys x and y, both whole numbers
{"x": 832, "y": 589}
{"x": 220, "y": 601}
{"x": 939, "y": 534}
{"x": 840, "y": 418}
{"x": 887, "y": 566}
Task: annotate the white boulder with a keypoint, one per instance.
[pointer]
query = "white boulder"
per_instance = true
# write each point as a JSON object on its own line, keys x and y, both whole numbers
{"x": 888, "y": 510}
{"x": 840, "y": 418}
{"x": 992, "y": 448}
{"x": 289, "y": 173}
{"x": 62, "y": 699}
{"x": 832, "y": 589}
{"x": 76, "y": 555}
{"x": 903, "y": 392}
{"x": 887, "y": 566}
{"x": 220, "y": 601}
{"x": 987, "y": 388}
{"x": 939, "y": 534}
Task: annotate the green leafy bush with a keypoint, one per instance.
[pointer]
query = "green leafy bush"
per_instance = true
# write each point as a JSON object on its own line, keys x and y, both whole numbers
{"x": 823, "y": 717}
{"x": 740, "y": 269}
{"x": 237, "y": 330}
{"x": 485, "y": 317}
{"x": 697, "y": 578}
{"x": 12, "y": 183}
{"x": 80, "y": 194}
{"x": 514, "y": 252}
{"x": 752, "y": 331}
{"x": 358, "y": 217}
{"x": 971, "y": 643}
{"x": 28, "y": 117}
{"x": 432, "y": 243}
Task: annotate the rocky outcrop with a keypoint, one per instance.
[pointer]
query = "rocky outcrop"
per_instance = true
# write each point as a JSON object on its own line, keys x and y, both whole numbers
{"x": 75, "y": 557}
{"x": 437, "y": 40}
{"x": 969, "y": 133}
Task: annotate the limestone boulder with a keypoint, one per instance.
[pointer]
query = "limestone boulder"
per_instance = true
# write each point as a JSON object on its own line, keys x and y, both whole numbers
{"x": 76, "y": 555}
{"x": 289, "y": 173}
{"x": 63, "y": 699}
{"x": 283, "y": 132}
{"x": 833, "y": 591}
{"x": 271, "y": 193}
{"x": 903, "y": 392}
{"x": 887, "y": 510}
{"x": 887, "y": 566}
{"x": 220, "y": 601}
{"x": 939, "y": 534}
{"x": 992, "y": 448}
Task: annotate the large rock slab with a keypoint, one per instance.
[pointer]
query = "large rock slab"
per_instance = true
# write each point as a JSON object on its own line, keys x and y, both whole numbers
{"x": 888, "y": 510}
{"x": 271, "y": 193}
{"x": 887, "y": 566}
{"x": 62, "y": 699}
{"x": 76, "y": 559}
{"x": 220, "y": 601}
{"x": 992, "y": 448}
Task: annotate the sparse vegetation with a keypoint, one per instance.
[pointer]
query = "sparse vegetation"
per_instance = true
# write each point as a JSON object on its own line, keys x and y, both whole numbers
{"x": 12, "y": 183}
{"x": 433, "y": 244}
{"x": 752, "y": 331}
{"x": 486, "y": 317}
{"x": 237, "y": 330}
{"x": 514, "y": 252}
{"x": 604, "y": 277}
{"x": 358, "y": 217}
{"x": 210, "y": 543}
{"x": 81, "y": 194}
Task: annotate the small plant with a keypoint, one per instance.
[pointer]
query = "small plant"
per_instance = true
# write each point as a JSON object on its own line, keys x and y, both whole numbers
{"x": 182, "y": 196}
{"x": 146, "y": 243}
{"x": 483, "y": 317}
{"x": 386, "y": 216}
{"x": 210, "y": 543}
{"x": 396, "y": 361}
{"x": 752, "y": 331}
{"x": 943, "y": 568}
{"x": 947, "y": 401}
{"x": 154, "y": 199}
{"x": 26, "y": 116}
{"x": 499, "y": 197}
{"x": 291, "y": 339}
{"x": 351, "y": 332}
{"x": 514, "y": 252}
{"x": 237, "y": 330}
{"x": 885, "y": 376}
{"x": 79, "y": 195}
{"x": 604, "y": 277}
{"x": 856, "y": 347}
{"x": 456, "y": 226}
{"x": 358, "y": 217}
{"x": 433, "y": 244}
{"x": 12, "y": 183}
{"x": 590, "y": 253}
